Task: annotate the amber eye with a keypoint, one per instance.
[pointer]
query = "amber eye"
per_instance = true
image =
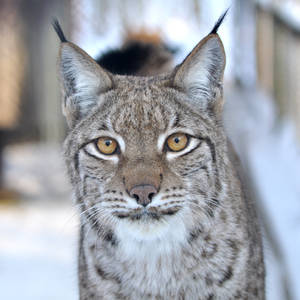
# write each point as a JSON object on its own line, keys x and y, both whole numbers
{"x": 106, "y": 145}
{"x": 177, "y": 141}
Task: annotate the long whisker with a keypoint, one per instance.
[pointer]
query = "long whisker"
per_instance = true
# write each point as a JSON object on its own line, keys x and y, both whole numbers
{"x": 75, "y": 213}
{"x": 112, "y": 220}
{"x": 106, "y": 218}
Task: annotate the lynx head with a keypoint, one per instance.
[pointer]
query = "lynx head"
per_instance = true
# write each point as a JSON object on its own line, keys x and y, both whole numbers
{"x": 145, "y": 154}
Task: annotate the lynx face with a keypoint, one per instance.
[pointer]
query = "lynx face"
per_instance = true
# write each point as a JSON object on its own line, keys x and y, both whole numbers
{"x": 145, "y": 158}
{"x": 142, "y": 149}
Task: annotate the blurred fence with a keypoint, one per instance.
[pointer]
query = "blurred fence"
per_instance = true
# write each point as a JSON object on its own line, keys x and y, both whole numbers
{"x": 278, "y": 51}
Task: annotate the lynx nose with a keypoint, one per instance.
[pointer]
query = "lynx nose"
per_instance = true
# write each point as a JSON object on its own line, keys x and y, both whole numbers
{"x": 143, "y": 193}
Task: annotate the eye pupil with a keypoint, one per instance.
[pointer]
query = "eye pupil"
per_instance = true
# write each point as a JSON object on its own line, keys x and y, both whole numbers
{"x": 177, "y": 142}
{"x": 106, "y": 145}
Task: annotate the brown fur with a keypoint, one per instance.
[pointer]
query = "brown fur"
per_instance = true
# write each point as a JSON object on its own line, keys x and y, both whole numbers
{"x": 199, "y": 237}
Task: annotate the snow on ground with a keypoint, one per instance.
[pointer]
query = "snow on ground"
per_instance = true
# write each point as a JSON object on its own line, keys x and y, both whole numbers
{"x": 38, "y": 252}
{"x": 38, "y": 244}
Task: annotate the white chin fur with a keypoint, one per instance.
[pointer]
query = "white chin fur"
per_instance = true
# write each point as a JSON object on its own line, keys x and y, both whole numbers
{"x": 171, "y": 229}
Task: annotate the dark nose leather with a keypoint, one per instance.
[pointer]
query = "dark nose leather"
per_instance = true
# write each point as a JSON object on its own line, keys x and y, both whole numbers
{"x": 143, "y": 193}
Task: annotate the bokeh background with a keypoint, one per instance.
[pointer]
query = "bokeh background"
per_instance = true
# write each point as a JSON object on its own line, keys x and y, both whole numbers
{"x": 38, "y": 222}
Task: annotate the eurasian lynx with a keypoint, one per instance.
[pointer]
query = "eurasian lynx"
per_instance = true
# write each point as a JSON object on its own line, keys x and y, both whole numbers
{"x": 163, "y": 214}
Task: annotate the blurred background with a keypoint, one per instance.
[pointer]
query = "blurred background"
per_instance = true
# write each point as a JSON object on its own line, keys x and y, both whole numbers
{"x": 38, "y": 222}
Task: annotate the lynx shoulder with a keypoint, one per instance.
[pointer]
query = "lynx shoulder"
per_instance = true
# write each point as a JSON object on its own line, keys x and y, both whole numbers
{"x": 163, "y": 214}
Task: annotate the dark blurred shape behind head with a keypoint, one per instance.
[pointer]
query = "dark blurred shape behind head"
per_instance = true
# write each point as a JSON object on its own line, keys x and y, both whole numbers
{"x": 142, "y": 54}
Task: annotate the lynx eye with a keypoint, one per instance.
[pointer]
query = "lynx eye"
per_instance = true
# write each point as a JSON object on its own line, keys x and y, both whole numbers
{"x": 177, "y": 142}
{"x": 106, "y": 145}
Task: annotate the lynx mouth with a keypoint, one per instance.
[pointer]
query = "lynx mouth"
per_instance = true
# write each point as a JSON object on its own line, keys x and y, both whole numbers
{"x": 151, "y": 213}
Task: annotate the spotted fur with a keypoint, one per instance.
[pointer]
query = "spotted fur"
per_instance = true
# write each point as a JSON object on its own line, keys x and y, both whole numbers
{"x": 199, "y": 236}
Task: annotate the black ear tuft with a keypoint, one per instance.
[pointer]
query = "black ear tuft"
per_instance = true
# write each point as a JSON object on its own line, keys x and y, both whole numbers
{"x": 58, "y": 30}
{"x": 219, "y": 22}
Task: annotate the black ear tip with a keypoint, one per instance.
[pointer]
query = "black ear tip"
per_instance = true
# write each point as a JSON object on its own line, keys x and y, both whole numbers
{"x": 58, "y": 30}
{"x": 219, "y": 22}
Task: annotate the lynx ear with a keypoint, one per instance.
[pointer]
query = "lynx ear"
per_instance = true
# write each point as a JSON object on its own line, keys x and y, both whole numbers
{"x": 200, "y": 75}
{"x": 83, "y": 81}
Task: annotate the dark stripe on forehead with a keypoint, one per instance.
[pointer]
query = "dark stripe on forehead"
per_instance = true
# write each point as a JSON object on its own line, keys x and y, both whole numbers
{"x": 165, "y": 120}
{"x": 103, "y": 127}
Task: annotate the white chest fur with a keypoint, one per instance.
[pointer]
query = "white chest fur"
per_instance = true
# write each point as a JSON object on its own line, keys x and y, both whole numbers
{"x": 151, "y": 253}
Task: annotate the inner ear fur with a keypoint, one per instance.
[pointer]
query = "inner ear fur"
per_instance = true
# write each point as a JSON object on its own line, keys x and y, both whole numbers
{"x": 83, "y": 80}
{"x": 201, "y": 73}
